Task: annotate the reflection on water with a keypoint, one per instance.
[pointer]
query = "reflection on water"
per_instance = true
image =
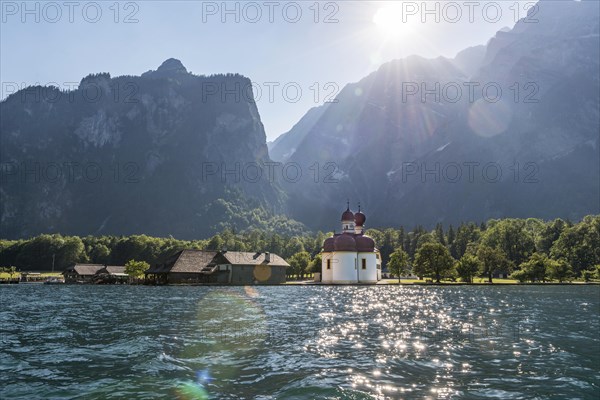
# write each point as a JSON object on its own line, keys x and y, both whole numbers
{"x": 106, "y": 342}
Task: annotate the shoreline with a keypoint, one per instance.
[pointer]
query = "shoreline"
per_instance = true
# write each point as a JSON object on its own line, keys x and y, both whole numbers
{"x": 444, "y": 284}
{"x": 300, "y": 283}
{"x": 310, "y": 282}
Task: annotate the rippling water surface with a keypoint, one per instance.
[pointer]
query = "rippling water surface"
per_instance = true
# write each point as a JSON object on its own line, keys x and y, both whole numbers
{"x": 299, "y": 342}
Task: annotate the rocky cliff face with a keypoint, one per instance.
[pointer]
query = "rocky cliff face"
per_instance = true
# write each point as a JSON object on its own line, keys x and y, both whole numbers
{"x": 426, "y": 141}
{"x": 133, "y": 154}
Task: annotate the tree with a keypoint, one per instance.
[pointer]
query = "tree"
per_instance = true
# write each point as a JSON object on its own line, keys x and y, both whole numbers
{"x": 99, "y": 254}
{"x": 433, "y": 260}
{"x": 293, "y": 247}
{"x": 579, "y": 244}
{"x": 299, "y": 263}
{"x": 425, "y": 238}
{"x": 439, "y": 234}
{"x": 71, "y": 251}
{"x": 387, "y": 240}
{"x": 136, "y": 269}
{"x": 535, "y": 268}
{"x": 520, "y": 276}
{"x": 399, "y": 263}
{"x": 587, "y": 275}
{"x": 512, "y": 236}
{"x": 465, "y": 235}
{"x": 468, "y": 267}
{"x": 559, "y": 270}
{"x": 136, "y": 247}
{"x": 215, "y": 243}
{"x": 534, "y": 228}
{"x": 401, "y": 238}
{"x": 412, "y": 240}
{"x": 549, "y": 234}
{"x": 492, "y": 261}
{"x": 316, "y": 264}
{"x": 515, "y": 237}
{"x": 451, "y": 235}
{"x": 318, "y": 243}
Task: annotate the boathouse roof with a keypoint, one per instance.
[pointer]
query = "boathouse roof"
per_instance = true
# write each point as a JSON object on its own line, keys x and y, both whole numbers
{"x": 115, "y": 270}
{"x": 185, "y": 261}
{"x": 85, "y": 269}
{"x": 249, "y": 258}
{"x": 195, "y": 261}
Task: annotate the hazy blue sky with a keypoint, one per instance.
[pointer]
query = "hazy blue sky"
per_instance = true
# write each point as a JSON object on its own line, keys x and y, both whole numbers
{"x": 269, "y": 47}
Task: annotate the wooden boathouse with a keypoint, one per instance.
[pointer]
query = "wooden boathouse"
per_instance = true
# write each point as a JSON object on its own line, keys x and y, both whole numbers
{"x": 219, "y": 267}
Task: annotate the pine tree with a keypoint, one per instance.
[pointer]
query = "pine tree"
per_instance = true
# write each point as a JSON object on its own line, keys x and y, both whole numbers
{"x": 451, "y": 235}
{"x": 439, "y": 233}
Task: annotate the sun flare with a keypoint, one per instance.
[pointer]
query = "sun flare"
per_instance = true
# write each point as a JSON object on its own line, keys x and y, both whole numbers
{"x": 389, "y": 21}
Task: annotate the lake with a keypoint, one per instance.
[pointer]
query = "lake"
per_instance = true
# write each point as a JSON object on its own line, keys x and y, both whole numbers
{"x": 299, "y": 342}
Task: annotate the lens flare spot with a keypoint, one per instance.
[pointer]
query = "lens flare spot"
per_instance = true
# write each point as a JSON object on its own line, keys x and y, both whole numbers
{"x": 203, "y": 377}
{"x": 489, "y": 119}
{"x": 262, "y": 273}
{"x": 190, "y": 390}
{"x": 230, "y": 320}
{"x": 251, "y": 291}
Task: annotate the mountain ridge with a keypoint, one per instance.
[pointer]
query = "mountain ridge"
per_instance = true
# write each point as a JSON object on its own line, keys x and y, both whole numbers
{"x": 135, "y": 154}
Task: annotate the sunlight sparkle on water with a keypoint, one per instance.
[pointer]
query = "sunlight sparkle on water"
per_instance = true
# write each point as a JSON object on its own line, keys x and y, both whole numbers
{"x": 264, "y": 343}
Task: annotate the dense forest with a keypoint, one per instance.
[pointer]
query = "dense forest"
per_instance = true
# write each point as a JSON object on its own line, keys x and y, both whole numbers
{"x": 528, "y": 249}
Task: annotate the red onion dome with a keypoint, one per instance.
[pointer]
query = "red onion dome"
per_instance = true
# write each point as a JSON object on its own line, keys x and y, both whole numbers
{"x": 328, "y": 245}
{"x": 359, "y": 218}
{"x": 348, "y": 215}
{"x": 365, "y": 244}
{"x": 344, "y": 242}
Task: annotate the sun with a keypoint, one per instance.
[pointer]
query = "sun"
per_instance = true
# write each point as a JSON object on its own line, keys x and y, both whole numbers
{"x": 389, "y": 21}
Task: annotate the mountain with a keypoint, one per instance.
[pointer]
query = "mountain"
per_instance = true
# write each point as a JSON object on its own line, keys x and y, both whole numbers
{"x": 162, "y": 153}
{"x": 416, "y": 145}
{"x": 285, "y": 145}
{"x": 509, "y": 129}
{"x": 470, "y": 60}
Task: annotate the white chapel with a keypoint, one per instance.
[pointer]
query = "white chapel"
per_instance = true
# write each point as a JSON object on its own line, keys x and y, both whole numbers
{"x": 351, "y": 256}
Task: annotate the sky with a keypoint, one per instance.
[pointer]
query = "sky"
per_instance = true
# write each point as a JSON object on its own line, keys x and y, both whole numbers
{"x": 297, "y": 54}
